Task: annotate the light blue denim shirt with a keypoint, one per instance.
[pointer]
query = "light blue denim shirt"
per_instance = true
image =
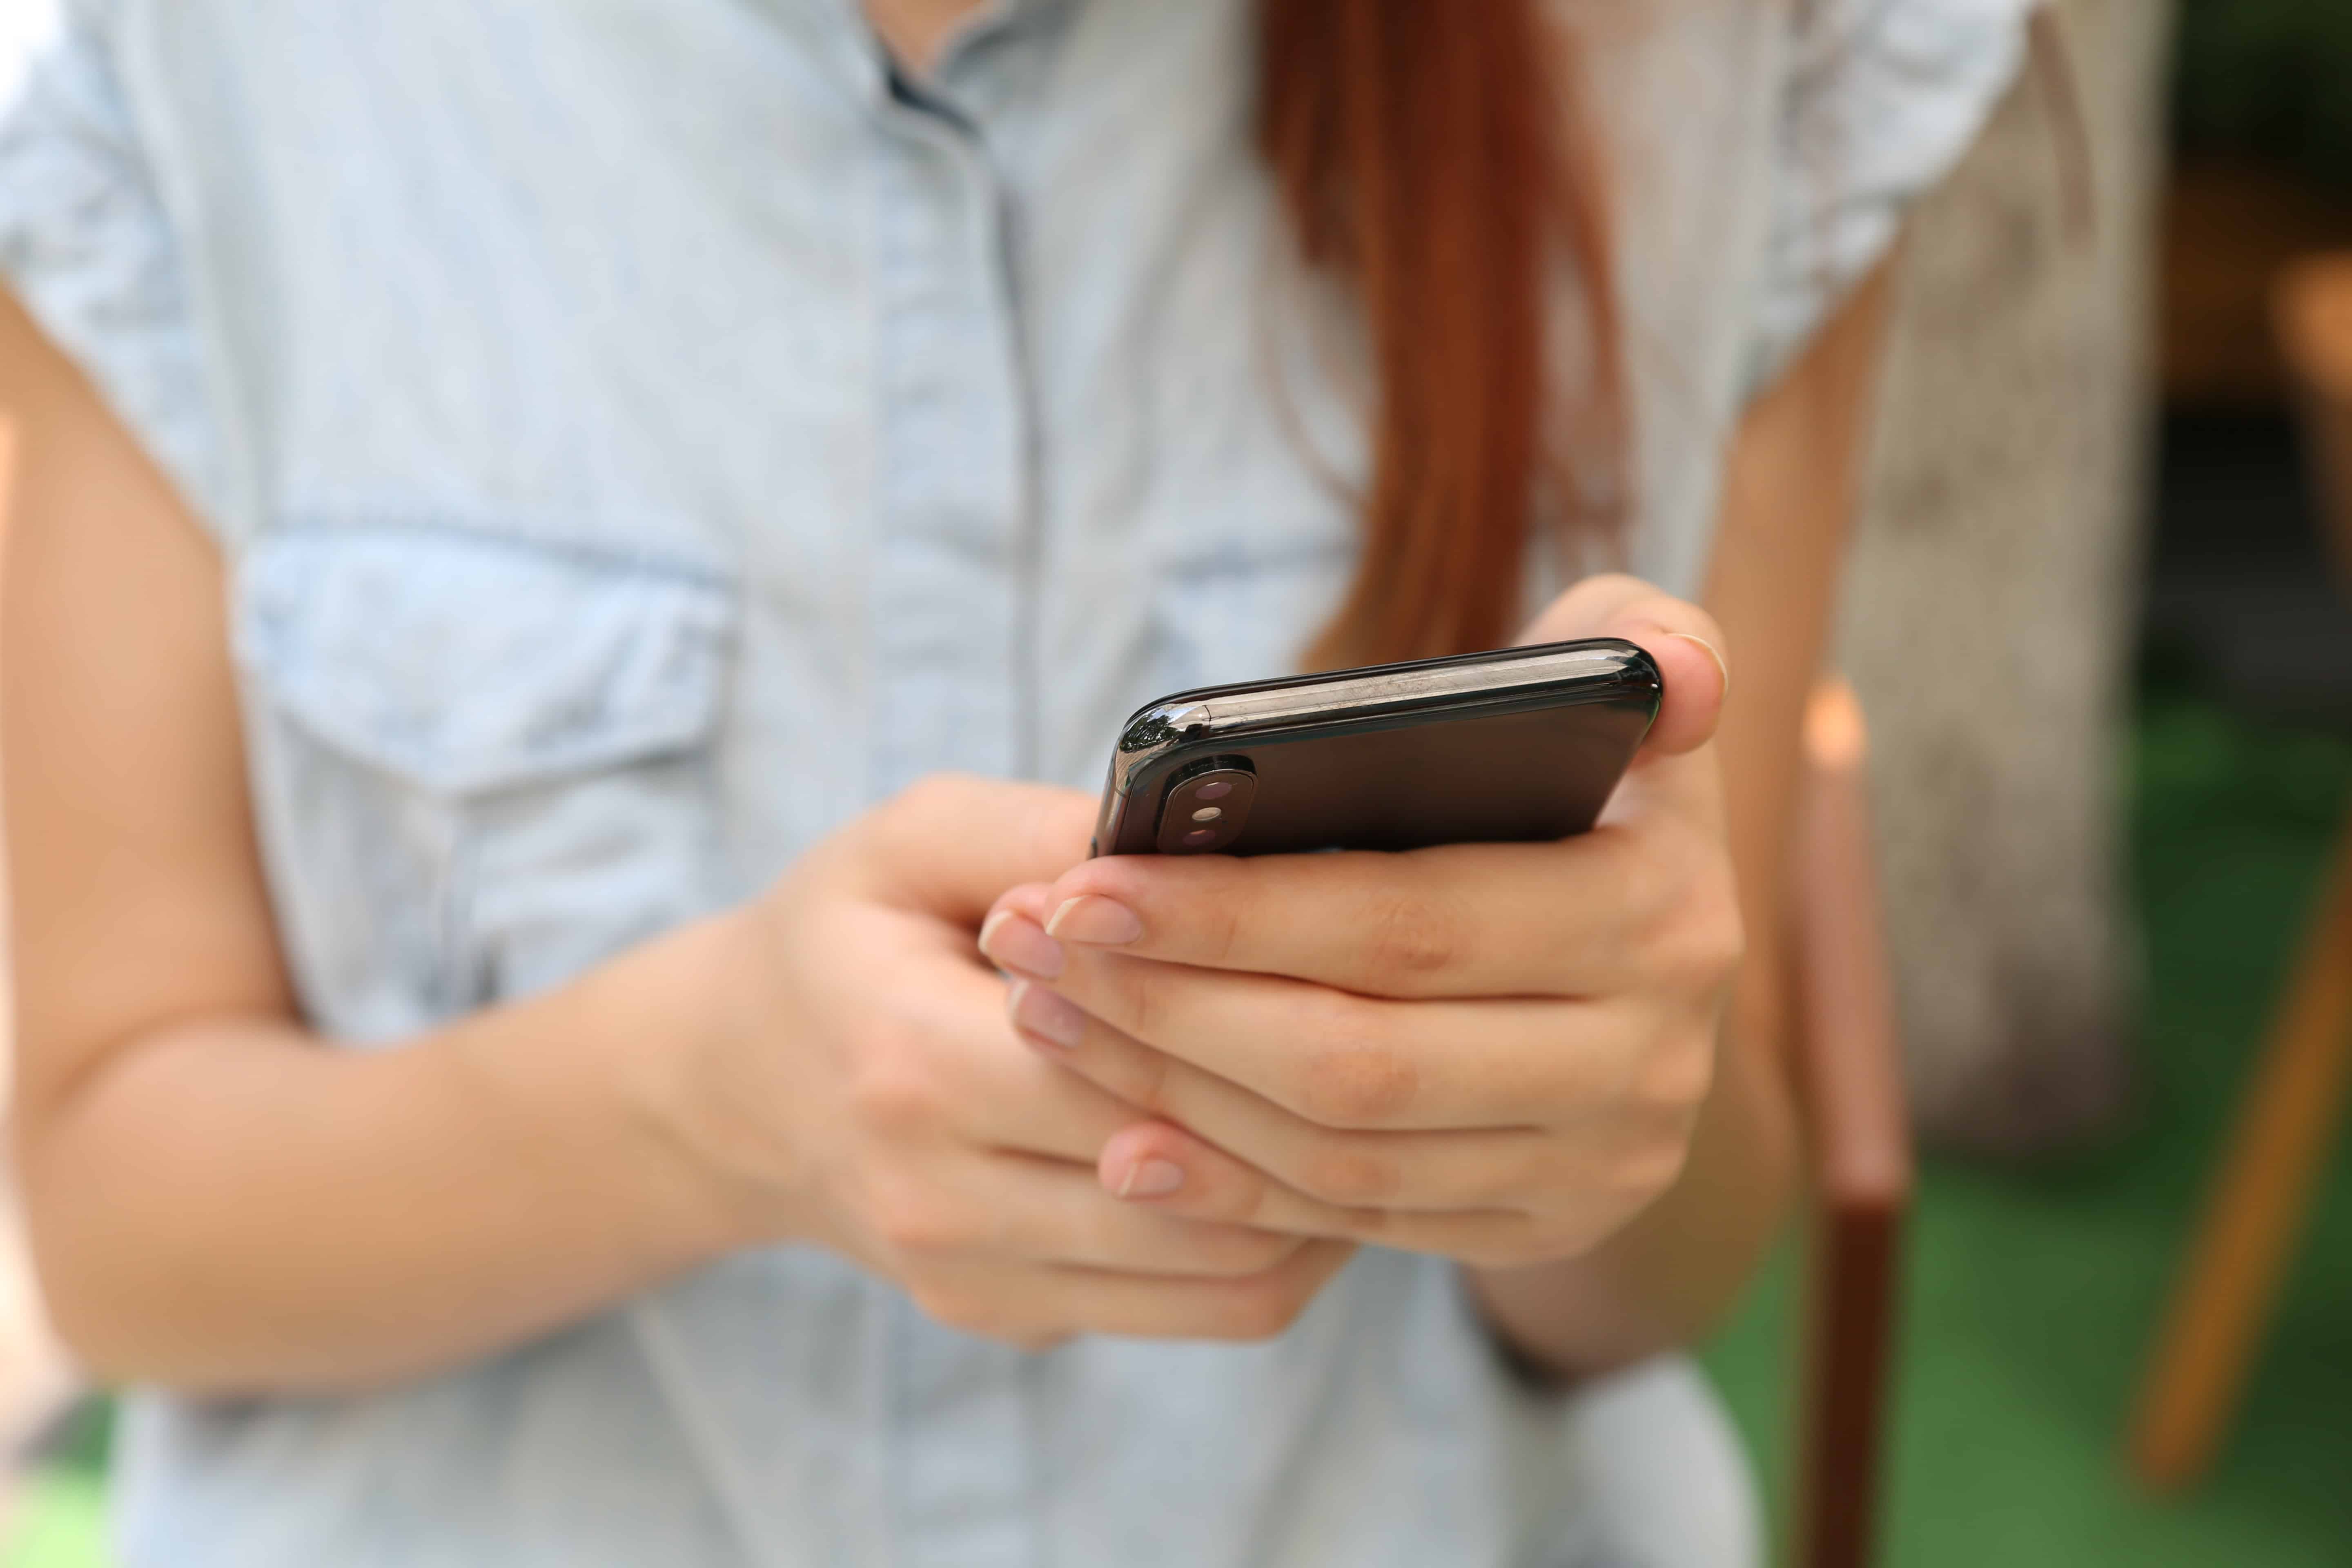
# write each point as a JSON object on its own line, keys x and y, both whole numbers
{"x": 643, "y": 436}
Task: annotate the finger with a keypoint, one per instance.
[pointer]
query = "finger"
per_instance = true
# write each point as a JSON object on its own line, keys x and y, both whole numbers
{"x": 1603, "y": 911}
{"x": 1051, "y": 1211}
{"x": 1009, "y": 1303}
{"x": 1216, "y": 1187}
{"x": 1161, "y": 1165}
{"x": 1682, "y": 639}
{"x": 1675, "y": 772}
{"x": 1339, "y": 1060}
{"x": 1340, "y": 1167}
{"x": 1019, "y": 946}
{"x": 981, "y": 1083}
{"x": 950, "y": 844}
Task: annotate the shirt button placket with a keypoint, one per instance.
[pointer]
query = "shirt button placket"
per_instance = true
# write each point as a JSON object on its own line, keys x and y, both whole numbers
{"x": 951, "y": 486}
{"x": 947, "y": 684}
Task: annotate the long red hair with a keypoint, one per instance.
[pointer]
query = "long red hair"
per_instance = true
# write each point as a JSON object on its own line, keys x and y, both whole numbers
{"x": 1432, "y": 156}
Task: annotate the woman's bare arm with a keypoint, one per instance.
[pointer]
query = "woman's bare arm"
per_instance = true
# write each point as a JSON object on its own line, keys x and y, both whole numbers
{"x": 1788, "y": 501}
{"x": 215, "y": 1199}
{"x": 220, "y": 1201}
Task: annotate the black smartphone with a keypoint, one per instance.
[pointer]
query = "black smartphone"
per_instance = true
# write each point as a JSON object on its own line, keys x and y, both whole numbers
{"x": 1520, "y": 743}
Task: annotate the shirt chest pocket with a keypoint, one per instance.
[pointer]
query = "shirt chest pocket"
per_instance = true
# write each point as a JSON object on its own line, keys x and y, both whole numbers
{"x": 480, "y": 764}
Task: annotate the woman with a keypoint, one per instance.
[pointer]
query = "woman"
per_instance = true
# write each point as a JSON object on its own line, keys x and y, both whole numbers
{"x": 556, "y": 506}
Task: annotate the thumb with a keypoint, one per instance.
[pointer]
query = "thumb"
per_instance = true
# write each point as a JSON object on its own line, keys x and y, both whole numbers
{"x": 1680, "y": 637}
{"x": 948, "y": 844}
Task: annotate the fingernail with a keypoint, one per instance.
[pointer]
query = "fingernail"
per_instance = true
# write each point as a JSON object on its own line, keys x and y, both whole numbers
{"x": 1152, "y": 1179}
{"x": 1713, "y": 652}
{"x": 1056, "y": 1020}
{"x": 1013, "y": 942}
{"x": 1093, "y": 919}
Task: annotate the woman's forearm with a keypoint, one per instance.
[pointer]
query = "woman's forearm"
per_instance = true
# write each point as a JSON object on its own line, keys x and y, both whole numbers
{"x": 217, "y": 1200}
{"x": 1672, "y": 1273}
{"x": 228, "y": 1206}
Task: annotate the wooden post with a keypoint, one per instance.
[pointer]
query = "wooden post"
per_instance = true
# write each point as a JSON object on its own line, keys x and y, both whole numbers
{"x": 2244, "y": 1244}
{"x": 1849, "y": 1073}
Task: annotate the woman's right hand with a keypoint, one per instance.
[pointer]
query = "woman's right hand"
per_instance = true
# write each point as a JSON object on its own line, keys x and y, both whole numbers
{"x": 859, "y": 1088}
{"x": 225, "y": 1202}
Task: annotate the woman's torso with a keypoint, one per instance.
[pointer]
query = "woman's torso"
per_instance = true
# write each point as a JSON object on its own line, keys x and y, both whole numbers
{"x": 644, "y": 434}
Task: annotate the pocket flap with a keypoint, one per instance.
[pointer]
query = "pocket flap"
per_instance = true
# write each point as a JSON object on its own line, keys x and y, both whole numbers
{"x": 471, "y": 662}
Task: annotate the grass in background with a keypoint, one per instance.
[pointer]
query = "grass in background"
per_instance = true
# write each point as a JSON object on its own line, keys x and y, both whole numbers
{"x": 2031, "y": 1293}
{"x": 59, "y": 1520}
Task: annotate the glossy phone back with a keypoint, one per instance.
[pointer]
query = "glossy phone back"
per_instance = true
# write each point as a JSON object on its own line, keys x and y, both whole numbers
{"x": 1516, "y": 744}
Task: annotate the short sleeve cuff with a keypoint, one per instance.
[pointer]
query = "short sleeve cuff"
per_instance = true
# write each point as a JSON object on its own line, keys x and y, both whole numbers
{"x": 84, "y": 244}
{"x": 1884, "y": 97}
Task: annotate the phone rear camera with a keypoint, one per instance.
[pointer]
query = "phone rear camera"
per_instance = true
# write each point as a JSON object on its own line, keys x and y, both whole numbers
{"x": 1189, "y": 825}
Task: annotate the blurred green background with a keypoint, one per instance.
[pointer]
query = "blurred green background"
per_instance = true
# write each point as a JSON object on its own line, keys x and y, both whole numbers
{"x": 2031, "y": 1294}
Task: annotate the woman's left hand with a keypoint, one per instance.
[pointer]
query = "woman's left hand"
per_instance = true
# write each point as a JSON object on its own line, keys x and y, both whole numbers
{"x": 1496, "y": 1052}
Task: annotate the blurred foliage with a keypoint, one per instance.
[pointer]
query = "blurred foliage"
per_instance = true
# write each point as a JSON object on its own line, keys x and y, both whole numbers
{"x": 82, "y": 1440}
{"x": 2272, "y": 78}
{"x": 58, "y": 1521}
{"x": 2031, "y": 1293}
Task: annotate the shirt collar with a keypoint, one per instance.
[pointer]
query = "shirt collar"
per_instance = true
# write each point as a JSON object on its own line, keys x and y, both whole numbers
{"x": 846, "y": 22}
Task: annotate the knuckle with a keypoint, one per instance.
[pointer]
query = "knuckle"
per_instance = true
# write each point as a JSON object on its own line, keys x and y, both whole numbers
{"x": 1230, "y": 1250}
{"x": 1547, "y": 1241}
{"x": 1411, "y": 935}
{"x": 1513, "y": 1178}
{"x": 1650, "y": 1170}
{"x": 1715, "y": 937}
{"x": 1147, "y": 1081}
{"x": 1344, "y": 1174}
{"x": 1221, "y": 931}
{"x": 1641, "y": 881}
{"x": 1678, "y": 1075}
{"x": 927, "y": 798}
{"x": 893, "y": 1092}
{"x": 1139, "y": 997}
{"x": 1695, "y": 925}
{"x": 1680, "y": 925}
{"x": 913, "y": 1222}
{"x": 1238, "y": 1195}
{"x": 1522, "y": 1240}
{"x": 954, "y": 1307}
{"x": 898, "y": 825}
{"x": 1049, "y": 823}
{"x": 1494, "y": 1255}
{"x": 1264, "y": 1309}
{"x": 941, "y": 1303}
{"x": 1349, "y": 1073}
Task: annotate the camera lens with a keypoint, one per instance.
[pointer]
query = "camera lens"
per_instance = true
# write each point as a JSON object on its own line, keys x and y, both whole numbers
{"x": 1189, "y": 825}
